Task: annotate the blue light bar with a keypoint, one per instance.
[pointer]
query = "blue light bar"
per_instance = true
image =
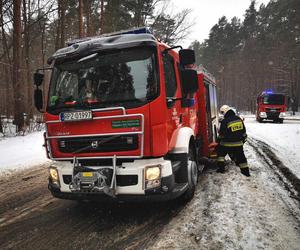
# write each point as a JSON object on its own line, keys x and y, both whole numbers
{"x": 141, "y": 30}
{"x": 268, "y": 91}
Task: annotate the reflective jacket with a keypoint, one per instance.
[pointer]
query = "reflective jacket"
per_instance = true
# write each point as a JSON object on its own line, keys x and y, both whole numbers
{"x": 232, "y": 131}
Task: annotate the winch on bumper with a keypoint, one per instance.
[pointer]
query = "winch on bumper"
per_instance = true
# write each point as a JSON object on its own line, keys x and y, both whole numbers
{"x": 145, "y": 179}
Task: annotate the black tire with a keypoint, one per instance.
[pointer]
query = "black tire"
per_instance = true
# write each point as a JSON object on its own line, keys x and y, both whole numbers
{"x": 192, "y": 169}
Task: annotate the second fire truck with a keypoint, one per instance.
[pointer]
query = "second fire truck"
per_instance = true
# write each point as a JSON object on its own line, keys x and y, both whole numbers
{"x": 271, "y": 106}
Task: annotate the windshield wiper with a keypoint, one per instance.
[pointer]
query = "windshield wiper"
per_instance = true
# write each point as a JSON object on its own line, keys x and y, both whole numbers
{"x": 125, "y": 101}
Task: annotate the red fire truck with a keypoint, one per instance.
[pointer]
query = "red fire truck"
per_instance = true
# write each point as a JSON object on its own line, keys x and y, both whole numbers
{"x": 127, "y": 117}
{"x": 271, "y": 106}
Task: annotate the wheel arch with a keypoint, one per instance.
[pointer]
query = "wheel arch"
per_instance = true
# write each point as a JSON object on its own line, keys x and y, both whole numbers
{"x": 181, "y": 140}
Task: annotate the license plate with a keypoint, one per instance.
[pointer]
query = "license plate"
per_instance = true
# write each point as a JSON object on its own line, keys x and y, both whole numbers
{"x": 87, "y": 174}
{"x": 75, "y": 116}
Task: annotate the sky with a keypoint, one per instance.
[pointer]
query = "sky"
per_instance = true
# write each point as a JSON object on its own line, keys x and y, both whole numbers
{"x": 206, "y": 14}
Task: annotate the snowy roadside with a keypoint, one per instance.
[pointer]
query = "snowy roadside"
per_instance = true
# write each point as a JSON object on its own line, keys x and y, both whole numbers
{"x": 20, "y": 152}
{"x": 230, "y": 211}
{"x": 284, "y": 140}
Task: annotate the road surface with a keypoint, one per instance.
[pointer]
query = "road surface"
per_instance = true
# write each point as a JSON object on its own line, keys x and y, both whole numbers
{"x": 229, "y": 211}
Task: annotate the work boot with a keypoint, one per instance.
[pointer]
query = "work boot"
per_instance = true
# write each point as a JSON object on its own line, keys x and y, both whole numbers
{"x": 221, "y": 169}
{"x": 245, "y": 171}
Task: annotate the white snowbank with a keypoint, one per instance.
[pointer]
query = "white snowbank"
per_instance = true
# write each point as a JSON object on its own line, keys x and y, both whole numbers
{"x": 21, "y": 152}
{"x": 283, "y": 138}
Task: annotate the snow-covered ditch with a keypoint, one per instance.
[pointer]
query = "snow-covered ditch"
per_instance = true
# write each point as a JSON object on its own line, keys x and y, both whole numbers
{"x": 284, "y": 139}
{"x": 231, "y": 211}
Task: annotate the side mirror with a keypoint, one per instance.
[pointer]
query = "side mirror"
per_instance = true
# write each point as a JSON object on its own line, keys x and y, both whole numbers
{"x": 38, "y": 99}
{"x": 189, "y": 80}
{"x": 187, "y": 56}
{"x": 38, "y": 78}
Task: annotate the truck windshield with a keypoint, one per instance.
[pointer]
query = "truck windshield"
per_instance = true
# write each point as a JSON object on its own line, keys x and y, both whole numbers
{"x": 275, "y": 99}
{"x": 125, "y": 77}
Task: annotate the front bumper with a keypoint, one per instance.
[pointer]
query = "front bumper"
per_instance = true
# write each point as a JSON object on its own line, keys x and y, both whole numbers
{"x": 272, "y": 115}
{"x": 130, "y": 183}
{"x": 152, "y": 196}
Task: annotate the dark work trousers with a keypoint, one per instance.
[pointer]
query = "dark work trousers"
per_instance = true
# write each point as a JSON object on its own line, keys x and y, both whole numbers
{"x": 235, "y": 153}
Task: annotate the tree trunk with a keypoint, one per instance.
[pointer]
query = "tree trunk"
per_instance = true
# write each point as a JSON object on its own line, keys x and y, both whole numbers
{"x": 28, "y": 84}
{"x": 81, "y": 32}
{"x": 16, "y": 77}
{"x": 58, "y": 27}
{"x": 89, "y": 23}
{"x": 8, "y": 67}
{"x": 62, "y": 23}
{"x": 101, "y": 17}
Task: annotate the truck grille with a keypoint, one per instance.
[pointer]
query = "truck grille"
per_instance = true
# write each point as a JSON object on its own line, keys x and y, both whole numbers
{"x": 273, "y": 115}
{"x": 272, "y": 109}
{"x": 98, "y": 144}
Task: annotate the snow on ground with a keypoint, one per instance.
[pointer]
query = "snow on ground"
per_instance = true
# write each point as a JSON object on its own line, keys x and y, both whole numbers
{"x": 231, "y": 211}
{"x": 284, "y": 139}
{"x": 21, "y": 152}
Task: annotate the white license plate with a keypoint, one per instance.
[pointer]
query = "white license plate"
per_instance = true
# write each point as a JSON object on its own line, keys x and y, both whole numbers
{"x": 75, "y": 116}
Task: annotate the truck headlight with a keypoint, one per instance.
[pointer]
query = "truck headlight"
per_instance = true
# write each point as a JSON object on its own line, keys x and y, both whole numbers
{"x": 152, "y": 176}
{"x": 53, "y": 173}
{"x": 263, "y": 114}
{"x": 282, "y": 115}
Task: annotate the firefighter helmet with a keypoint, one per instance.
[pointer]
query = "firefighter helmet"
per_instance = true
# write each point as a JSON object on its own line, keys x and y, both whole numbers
{"x": 224, "y": 109}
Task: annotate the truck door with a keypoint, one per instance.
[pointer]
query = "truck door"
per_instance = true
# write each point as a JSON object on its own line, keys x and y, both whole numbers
{"x": 174, "y": 118}
{"x": 211, "y": 111}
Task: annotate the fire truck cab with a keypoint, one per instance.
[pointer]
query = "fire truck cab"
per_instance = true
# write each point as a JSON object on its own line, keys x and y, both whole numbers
{"x": 127, "y": 118}
{"x": 271, "y": 106}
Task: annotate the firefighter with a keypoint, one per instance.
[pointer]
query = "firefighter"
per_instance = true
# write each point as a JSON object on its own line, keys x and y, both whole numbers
{"x": 232, "y": 136}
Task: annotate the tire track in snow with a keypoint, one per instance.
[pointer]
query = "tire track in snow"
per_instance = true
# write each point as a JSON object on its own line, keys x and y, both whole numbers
{"x": 286, "y": 178}
{"x": 285, "y": 175}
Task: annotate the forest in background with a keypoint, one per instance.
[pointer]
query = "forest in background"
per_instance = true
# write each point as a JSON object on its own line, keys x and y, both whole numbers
{"x": 32, "y": 30}
{"x": 261, "y": 52}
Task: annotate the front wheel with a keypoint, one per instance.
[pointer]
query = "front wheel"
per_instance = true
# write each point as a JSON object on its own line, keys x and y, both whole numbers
{"x": 192, "y": 169}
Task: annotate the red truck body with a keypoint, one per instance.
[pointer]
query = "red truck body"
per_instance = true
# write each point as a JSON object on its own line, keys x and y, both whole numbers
{"x": 271, "y": 106}
{"x": 147, "y": 147}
